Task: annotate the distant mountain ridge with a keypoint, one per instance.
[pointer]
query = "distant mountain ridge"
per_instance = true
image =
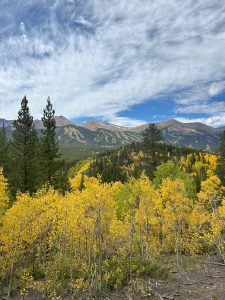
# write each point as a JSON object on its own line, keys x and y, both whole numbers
{"x": 5, "y": 122}
{"x": 94, "y": 126}
{"x": 106, "y": 135}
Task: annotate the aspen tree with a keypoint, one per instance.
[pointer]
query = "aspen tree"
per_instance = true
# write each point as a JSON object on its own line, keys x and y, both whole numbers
{"x": 176, "y": 209}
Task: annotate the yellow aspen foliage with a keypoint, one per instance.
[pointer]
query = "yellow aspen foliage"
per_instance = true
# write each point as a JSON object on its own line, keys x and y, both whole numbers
{"x": 196, "y": 227}
{"x": 103, "y": 235}
{"x": 212, "y": 200}
{"x": 222, "y": 209}
{"x": 176, "y": 209}
{"x": 3, "y": 195}
{"x": 76, "y": 180}
{"x": 201, "y": 164}
{"x": 148, "y": 219}
{"x": 128, "y": 198}
{"x": 212, "y": 161}
{"x": 211, "y": 192}
{"x": 214, "y": 234}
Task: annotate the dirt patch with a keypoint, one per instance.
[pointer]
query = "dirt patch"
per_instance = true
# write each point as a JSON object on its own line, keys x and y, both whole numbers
{"x": 200, "y": 278}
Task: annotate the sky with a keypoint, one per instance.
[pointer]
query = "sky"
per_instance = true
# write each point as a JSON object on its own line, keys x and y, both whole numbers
{"x": 125, "y": 62}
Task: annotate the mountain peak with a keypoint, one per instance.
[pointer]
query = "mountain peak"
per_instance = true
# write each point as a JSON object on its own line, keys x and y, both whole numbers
{"x": 169, "y": 122}
{"x": 62, "y": 121}
{"x": 95, "y": 125}
{"x": 173, "y": 121}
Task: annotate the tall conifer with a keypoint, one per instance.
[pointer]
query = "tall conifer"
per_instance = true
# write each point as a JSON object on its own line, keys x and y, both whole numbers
{"x": 24, "y": 142}
{"x": 49, "y": 149}
{"x": 4, "y": 147}
{"x": 221, "y": 161}
{"x": 151, "y": 137}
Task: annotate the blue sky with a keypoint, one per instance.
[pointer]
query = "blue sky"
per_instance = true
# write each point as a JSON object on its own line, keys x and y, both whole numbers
{"x": 125, "y": 62}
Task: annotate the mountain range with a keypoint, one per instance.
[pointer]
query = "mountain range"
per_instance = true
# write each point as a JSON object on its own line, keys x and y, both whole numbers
{"x": 100, "y": 135}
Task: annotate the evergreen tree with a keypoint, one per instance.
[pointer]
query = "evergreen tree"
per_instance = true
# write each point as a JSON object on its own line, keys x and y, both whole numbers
{"x": 4, "y": 147}
{"x": 151, "y": 137}
{"x": 49, "y": 149}
{"x": 60, "y": 181}
{"x": 221, "y": 161}
{"x": 24, "y": 142}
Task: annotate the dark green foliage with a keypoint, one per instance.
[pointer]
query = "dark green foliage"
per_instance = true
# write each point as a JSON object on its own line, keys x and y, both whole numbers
{"x": 151, "y": 137}
{"x": 74, "y": 153}
{"x": 221, "y": 161}
{"x": 24, "y": 142}
{"x": 48, "y": 148}
{"x": 60, "y": 181}
{"x": 112, "y": 165}
{"x": 4, "y": 148}
{"x": 30, "y": 162}
{"x": 81, "y": 182}
{"x": 110, "y": 168}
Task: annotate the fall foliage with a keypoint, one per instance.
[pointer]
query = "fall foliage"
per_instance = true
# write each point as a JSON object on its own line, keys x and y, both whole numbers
{"x": 102, "y": 235}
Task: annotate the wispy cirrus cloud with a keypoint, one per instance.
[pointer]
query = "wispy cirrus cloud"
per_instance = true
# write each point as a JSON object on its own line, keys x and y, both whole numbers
{"x": 215, "y": 120}
{"x": 203, "y": 108}
{"x": 216, "y": 88}
{"x": 99, "y": 58}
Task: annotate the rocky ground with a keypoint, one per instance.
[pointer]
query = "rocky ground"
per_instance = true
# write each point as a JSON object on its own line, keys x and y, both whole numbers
{"x": 200, "y": 278}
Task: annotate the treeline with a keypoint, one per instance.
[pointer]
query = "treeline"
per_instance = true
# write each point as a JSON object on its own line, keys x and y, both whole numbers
{"x": 29, "y": 161}
{"x": 131, "y": 160}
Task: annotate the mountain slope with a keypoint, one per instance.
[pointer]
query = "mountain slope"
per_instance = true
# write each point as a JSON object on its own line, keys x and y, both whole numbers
{"x": 104, "y": 135}
{"x": 76, "y": 135}
{"x": 99, "y": 134}
{"x": 60, "y": 121}
{"x": 7, "y": 123}
{"x": 94, "y": 126}
{"x": 193, "y": 135}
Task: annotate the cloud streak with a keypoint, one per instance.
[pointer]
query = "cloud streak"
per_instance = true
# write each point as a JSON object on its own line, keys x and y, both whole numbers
{"x": 99, "y": 58}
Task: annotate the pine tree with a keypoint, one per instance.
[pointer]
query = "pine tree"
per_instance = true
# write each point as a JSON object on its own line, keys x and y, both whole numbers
{"x": 49, "y": 149}
{"x": 24, "y": 142}
{"x": 151, "y": 137}
{"x": 221, "y": 161}
{"x": 4, "y": 147}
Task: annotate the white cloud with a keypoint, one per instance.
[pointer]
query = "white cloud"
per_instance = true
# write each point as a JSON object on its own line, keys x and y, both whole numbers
{"x": 81, "y": 20}
{"x": 123, "y": 53}
{"x": 217, "y": 120}
{"x": 203, "y": 108}
{"x": 216, "y": 88}
{"x": 125, "y": 121}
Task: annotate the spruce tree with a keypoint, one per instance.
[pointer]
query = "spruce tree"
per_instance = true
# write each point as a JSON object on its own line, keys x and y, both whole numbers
{"x": 24, "y": 142}
{"x": 4, "y": 147}
{"x": 151, "y": 137}
{"x": 221, "y": 161}
{"x": 49, "y": 149}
